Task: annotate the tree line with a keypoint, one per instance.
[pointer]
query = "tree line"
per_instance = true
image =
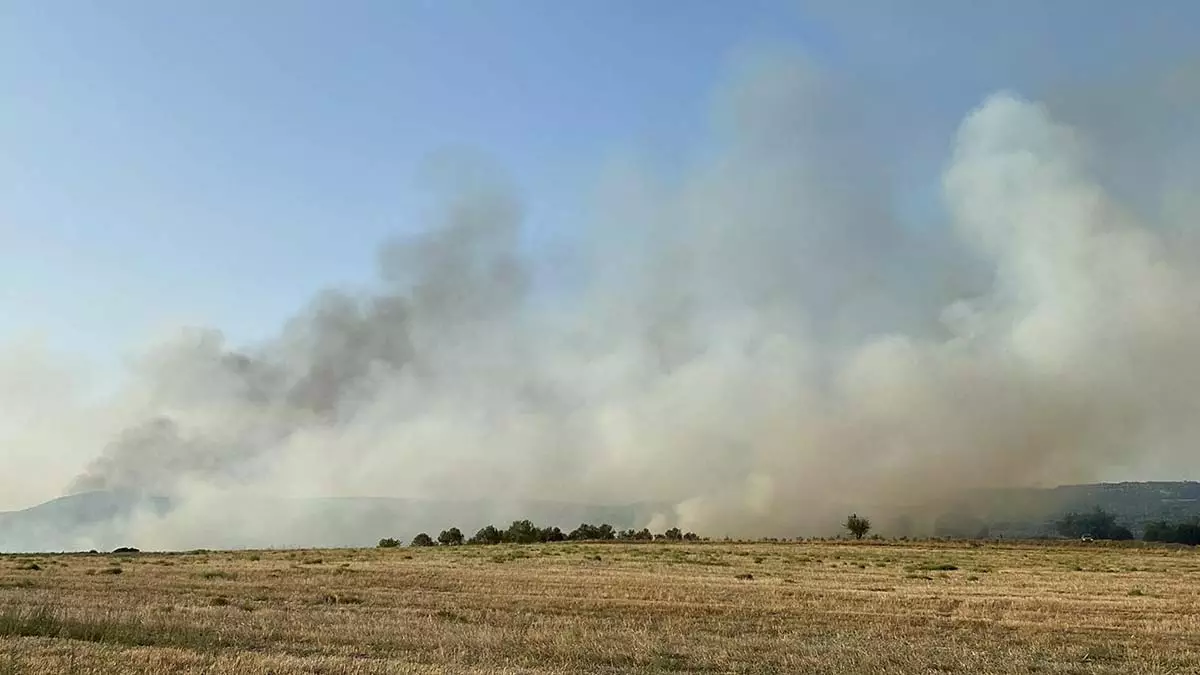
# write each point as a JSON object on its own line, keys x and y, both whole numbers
{"x": 1173, "y": 533}
{"x": 525, "y": 532}
{"x": 1096, "y": 524}
{"x": 1100, "y": 524}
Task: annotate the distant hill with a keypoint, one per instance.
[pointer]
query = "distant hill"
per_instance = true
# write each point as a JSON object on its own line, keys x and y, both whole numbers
{"x": 1032, "y": 512}
{"x": 105, "y": 520}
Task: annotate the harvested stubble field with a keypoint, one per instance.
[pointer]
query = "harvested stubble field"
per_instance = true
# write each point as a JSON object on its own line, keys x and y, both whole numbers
{"x": 818, "y": 607}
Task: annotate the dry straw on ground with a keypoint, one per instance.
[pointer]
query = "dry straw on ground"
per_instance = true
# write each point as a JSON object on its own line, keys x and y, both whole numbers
{"x": 573, "y": 608}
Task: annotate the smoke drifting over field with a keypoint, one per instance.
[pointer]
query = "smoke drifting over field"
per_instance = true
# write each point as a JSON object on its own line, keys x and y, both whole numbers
{"x": 762, "y": 343}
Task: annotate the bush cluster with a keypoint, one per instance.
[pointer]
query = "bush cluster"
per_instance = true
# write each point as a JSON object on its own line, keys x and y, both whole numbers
{"x": 1173, "y": 533}
{"x": 1102, "y": 525}
{"x": 525, "y": 532}
{"x": 1098, "y": 524}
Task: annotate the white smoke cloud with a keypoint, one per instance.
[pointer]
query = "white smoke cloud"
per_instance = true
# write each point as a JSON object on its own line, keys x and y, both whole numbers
{"x": 763, "y": 344}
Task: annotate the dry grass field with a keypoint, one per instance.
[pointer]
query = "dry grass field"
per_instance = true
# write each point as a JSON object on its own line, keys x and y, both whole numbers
{"x": 820, "y": 607}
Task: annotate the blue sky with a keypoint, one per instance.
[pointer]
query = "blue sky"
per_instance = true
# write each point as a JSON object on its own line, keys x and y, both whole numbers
{"x": 218, "y": 162}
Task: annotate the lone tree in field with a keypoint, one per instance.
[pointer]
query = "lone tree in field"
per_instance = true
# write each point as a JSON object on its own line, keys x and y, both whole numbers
{"x": 450, "y": 537}
{"x": 857, "y": 526}
{"x": 422, "y": 540}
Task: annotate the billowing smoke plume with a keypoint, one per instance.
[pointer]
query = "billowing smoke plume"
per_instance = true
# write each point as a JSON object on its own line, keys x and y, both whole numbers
{"x": 760, "y": 345}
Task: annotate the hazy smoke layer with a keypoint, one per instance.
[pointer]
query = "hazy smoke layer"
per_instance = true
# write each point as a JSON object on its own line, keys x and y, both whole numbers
{"x": 762, "y": 344}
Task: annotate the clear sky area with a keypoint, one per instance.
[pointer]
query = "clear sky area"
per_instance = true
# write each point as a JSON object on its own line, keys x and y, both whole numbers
{"x": 218, "y": 162}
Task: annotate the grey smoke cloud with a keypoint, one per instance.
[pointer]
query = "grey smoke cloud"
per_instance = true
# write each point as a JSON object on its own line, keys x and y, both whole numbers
{"x": 762, "y": 343}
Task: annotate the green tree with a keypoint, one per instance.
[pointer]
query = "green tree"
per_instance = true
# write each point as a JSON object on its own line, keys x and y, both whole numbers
{"x": 422, "y": 540}
{"x": 673, "y": 534}
{"x": 450, "y": 537}
{"x": 388, "y": 543}
{"x": 628, "y": 535}
{"x": 1173, "y": 533}
{"x": 857, "y": 526}
{"x": 487, "y": 535}
{"x": 522, "y": 532}
{"x": 586, "y": 532}
{"x": 1097, "y": 523}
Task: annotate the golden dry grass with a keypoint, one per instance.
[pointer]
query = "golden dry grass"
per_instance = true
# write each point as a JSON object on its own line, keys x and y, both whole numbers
{"x": 821, "y": 607}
